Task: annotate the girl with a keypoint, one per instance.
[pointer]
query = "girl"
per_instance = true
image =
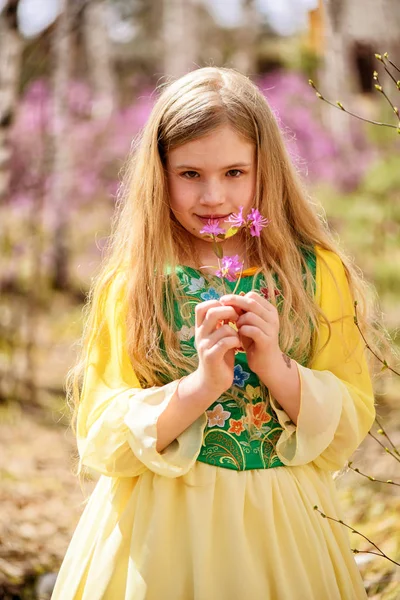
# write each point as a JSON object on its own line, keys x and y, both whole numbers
{"x": 216, "y": 410}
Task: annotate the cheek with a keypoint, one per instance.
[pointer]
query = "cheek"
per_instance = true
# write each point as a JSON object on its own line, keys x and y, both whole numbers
{"x": 246, "y": 190}
{"x": 174, "y": 195}
{"x": 179, "y": 193}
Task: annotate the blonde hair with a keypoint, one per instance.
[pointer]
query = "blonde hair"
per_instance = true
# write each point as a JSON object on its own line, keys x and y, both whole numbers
{"x": 146, "y": 238}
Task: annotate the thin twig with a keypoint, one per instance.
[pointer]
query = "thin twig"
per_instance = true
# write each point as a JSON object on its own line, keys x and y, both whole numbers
{"x": 356, "y": 470}
{"x": 386, "y": 366}
{"x": 393, "y": 65}
{"x": 386, "y": 57}
{"x": 340, "y": 106}
{"x": 386, "y": 449}
{"x": 386, "y": 435}
{"x": 380, "y": 89}
{"x": 358, "y": 533}
{"x": 390, "y": 74}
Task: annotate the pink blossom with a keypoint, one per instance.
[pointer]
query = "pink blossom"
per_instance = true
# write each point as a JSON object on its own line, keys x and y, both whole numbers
{"x": 212, "y": 228}
{"x": 256, "y": 222}
{"x": 230, "y": 267}
{"x": 236, "y": 219}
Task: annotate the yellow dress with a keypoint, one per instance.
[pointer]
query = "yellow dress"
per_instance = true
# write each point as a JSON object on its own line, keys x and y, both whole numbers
{"x": 165, "y": 526}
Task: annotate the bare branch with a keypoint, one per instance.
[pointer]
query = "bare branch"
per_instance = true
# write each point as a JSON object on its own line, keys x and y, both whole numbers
{"x": 381, "y": 553}
{"x": 356, "y": 470}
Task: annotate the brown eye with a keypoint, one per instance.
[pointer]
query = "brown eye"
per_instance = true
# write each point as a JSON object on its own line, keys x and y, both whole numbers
{"x": 189, "y": 174}
{"x": 234, "y": 173}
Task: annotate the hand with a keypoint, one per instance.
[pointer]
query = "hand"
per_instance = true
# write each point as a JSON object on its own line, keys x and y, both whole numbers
{"x": 258, "y": 328}
{"x": 216, "y": 343}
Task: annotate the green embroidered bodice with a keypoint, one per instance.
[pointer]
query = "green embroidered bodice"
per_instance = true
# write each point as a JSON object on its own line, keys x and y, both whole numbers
{"x": 228, "y": 440}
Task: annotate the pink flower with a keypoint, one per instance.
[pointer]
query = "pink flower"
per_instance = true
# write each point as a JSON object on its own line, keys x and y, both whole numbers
{"x": 256, "y": 222}
{"x": 230, "y": 266}
{"x": 236, "y": 219}
{"x": 212, "y": 227}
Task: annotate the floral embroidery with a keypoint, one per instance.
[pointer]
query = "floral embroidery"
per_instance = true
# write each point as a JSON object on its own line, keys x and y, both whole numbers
{"x": 196, "y": 284}
{"x": 240, "y": 376}
{"x": 265, "y": 292}
{"x": 236, "y": 426}
{"x": 242, "y": 428}
{"x": 217, "y": 416}
{"x": 211, "y": 294}
{"x": 186, "y": 333}
{"x": 256, "y": 414}
{"x": 253, "y": 392}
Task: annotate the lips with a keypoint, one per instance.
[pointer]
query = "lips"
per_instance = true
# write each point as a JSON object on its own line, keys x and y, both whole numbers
{"x": 213, "y": 217}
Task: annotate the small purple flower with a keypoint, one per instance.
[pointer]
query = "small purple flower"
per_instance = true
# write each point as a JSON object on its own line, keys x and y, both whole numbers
{"x": 256, "y": 222}
{"x": 212, "y": 227}
{"x": 236, "y": 219}
{"x": 230, "y": 266}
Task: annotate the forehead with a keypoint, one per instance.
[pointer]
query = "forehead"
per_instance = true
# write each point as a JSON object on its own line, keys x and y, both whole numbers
{"x": 221, "y": 147}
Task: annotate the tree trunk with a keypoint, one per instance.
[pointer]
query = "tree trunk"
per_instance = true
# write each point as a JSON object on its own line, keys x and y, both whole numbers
{"x": 180, "y": 38}
{"x": 245, "y": 57}
{"x": 62, "y": 165}
{"x": 336, "y": 73}
{"x": 99, "y": 59}
{"x": 11, "y": 46}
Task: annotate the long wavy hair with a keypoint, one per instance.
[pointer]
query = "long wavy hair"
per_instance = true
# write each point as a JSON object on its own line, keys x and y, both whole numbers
{"x": 146, "y": 240}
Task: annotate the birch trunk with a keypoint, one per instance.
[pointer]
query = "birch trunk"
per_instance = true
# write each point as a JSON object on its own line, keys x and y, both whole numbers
{"x": 62, "y": 164}
{"x": 336, "y": 75}
{"x": 99, "y": 59}
{"x": 180, "y": 37}
{"x": 11, "y": 46}
{"x": 245, "y": 56}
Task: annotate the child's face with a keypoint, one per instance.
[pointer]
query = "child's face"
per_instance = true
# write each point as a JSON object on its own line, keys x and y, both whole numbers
{"x": 211, "y": 177}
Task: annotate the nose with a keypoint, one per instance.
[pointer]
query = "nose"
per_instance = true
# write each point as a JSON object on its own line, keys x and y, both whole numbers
{"x": 213, "y": 194}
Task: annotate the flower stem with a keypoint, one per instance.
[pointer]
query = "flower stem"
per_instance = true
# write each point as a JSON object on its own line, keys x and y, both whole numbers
{"x": 219, "y": 261}
{"x": 238, "y": 281}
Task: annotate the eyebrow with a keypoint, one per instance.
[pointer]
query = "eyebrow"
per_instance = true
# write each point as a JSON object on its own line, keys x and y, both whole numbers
{"x": 235, "y": 166}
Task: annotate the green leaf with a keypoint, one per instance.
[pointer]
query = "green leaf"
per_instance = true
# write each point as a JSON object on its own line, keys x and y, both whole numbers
{"x": 218, "y": 249}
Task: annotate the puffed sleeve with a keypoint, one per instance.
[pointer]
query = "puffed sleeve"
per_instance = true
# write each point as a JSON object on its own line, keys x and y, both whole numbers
{"x": 337, "y": 400}
{"x": 117, "y": 420}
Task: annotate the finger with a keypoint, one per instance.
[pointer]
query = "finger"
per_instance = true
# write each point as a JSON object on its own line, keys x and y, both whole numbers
{"x": 267, "y": 326}
{"x": 253, "y": 333}
{"x": 249, "y": 301}
{"x": 222, "y": 347}
{"x": 258, "y": 297}
{"x": 246, "y": 303}
{"x": 206, "y": 343}
{"x": 202, "y": 308}
{"x": 221, "y": 333}
{"x": 215, "y": 315}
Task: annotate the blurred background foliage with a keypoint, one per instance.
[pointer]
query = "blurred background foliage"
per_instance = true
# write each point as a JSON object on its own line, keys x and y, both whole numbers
{"x": 77, "y": 83}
